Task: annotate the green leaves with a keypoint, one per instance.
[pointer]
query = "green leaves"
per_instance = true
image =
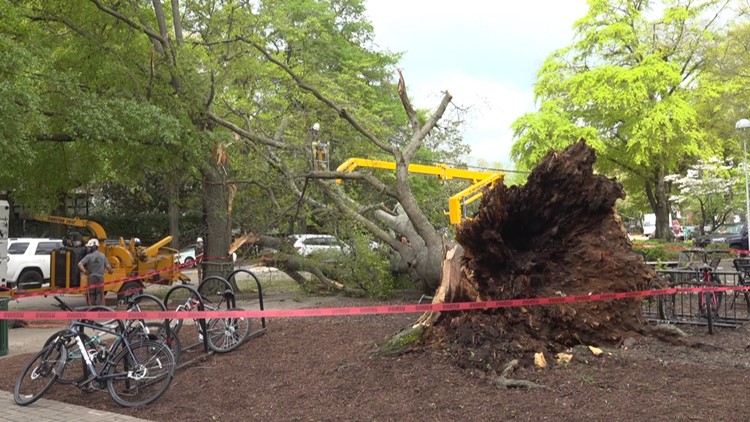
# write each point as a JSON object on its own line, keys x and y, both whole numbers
{"x": 626, "y": 86}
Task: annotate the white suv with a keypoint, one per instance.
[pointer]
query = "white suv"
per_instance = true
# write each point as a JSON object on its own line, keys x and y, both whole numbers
{"x": 309, "y": 244}
{"x": 29, "y": 262}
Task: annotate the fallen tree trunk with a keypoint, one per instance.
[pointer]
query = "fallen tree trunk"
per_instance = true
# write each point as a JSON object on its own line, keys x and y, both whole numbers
{"x": 293, "y": 266}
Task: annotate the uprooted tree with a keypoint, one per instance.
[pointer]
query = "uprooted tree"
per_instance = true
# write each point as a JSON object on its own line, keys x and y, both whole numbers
{"x": 557, "y": 235}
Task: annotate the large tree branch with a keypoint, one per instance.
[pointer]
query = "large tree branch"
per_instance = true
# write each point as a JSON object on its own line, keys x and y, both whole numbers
{"x": 119, "y": 16}
{"x": 341, "y": 204}
{"x": 292, "y": 265}
{"x": 410, "y": 113}
{"x": 317, "y": 94}
{"x": 418, "y": 137}
{"x": 161, "y": 19}
{"x": 248, "y": 134}
{"x": 177, "y": 21}
{"x": 418, "y": 133}
{"x": 372, "y": 180}
{"x": 67, "y": 22}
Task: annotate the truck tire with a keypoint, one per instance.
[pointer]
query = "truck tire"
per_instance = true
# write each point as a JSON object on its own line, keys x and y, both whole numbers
{"x": 30, "y": 278}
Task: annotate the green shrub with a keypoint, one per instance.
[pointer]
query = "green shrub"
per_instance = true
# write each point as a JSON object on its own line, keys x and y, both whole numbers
{"x": 659, "y": 250}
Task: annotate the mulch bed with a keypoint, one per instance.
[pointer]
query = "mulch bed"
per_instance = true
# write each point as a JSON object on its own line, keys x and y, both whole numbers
{"x": 323, "y": 368}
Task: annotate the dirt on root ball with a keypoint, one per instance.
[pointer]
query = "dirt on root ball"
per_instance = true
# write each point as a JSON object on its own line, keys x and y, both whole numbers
{"x": 556, "y": 235}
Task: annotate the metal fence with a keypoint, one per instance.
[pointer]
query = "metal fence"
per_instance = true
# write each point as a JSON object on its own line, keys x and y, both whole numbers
{"x": 683, "y": 308}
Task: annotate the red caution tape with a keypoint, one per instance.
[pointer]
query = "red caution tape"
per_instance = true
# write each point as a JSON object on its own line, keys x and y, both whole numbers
{"x": 364, "y": 310}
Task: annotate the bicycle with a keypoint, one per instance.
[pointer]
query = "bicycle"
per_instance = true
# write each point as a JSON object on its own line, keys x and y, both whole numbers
{"x": 135, "y": 373}
{"x": 223, "y": 334}
{"x": 709, "y": 301}
{"x": 153, "y": 330}
{"x": 694, "y": 268}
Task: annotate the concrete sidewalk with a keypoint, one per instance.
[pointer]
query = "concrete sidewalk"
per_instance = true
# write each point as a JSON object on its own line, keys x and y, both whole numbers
{"x": 54, "y": 411}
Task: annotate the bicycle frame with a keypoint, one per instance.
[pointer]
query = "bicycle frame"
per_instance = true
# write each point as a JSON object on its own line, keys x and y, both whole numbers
{"x": 74, "y": 328}
{"x": 707, "y": 282}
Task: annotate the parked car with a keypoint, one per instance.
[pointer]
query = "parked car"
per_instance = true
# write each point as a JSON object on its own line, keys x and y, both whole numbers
{"x": 186, "y": 256}
{"x": 309, "y": 244}
{"x": 29, "y": 262}
{"x": 734, "y": 235}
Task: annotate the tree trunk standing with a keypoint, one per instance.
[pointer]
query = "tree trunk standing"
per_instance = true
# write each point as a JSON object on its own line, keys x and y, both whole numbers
{"x": 658, "y": 198}
{"x": 662, "y": 208}
{"x": 173, "y": 201}
{"x": 218, "y": 222}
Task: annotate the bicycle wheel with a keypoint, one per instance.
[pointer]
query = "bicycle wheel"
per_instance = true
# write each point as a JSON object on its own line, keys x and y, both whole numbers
{"x": 157, "y": 331}
{"x": 707, "y": 305}
{"x": 214, "y": 290}
{"x": 39, "y": 374}
{"x": 141, "y": 374}
{"x": 226, "y": 334}
{"x": 666, "y": 307}
{"x": 144, "y": 303}
{"x": 74, "y": 370}
{"x": 181, "y": 298}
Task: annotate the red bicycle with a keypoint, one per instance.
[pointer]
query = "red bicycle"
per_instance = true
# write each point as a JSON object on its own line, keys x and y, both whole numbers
{"x": 709, "y": 301}
{"x": 697, "y": 268}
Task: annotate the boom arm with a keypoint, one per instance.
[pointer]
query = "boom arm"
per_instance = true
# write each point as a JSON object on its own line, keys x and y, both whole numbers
{"x": 457, "y": 202}
{"x": 442, "y": 171}
{"x": 95, "y": 227}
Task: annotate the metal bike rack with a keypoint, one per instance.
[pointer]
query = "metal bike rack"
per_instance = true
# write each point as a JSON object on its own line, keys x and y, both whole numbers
{"x": 202, "y": 321}
{"x": 682, "y": 308}
{"x": 229, "y": 298}
{"x": 260, "y": 294}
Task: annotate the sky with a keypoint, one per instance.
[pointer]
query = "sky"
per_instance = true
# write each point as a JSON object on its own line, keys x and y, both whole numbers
{"x": 485, "y": 53}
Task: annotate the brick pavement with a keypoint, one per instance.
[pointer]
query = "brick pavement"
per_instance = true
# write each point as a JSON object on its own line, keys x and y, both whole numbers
{"x": 54, "y": 411}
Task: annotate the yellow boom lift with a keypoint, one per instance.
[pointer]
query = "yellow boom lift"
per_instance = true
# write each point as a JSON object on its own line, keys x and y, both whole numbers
{"x": 456, "y": 203}
{"x": 127, "y": 261}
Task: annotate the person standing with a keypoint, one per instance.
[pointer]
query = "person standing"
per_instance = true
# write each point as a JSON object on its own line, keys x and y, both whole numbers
{"x": 677, "y": 231}
{"x": 93, "y": 265}
{"x": 199, "y": 249}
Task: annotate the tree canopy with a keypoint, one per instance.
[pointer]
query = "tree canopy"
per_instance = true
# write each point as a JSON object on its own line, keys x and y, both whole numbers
{"x": 628, "y": 84}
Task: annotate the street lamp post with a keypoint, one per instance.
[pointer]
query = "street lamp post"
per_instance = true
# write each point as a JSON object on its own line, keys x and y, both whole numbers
{"x": 742, "y": 127}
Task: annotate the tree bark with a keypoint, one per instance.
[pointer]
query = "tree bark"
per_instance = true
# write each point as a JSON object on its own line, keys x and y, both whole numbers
{"x": 216, "y": 261}
{"x": 173, "y": 203}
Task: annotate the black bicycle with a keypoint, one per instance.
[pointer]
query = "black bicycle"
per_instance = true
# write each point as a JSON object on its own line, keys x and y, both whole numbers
{"x": 135, "y": 372}
{"x": 214, "y": 293}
